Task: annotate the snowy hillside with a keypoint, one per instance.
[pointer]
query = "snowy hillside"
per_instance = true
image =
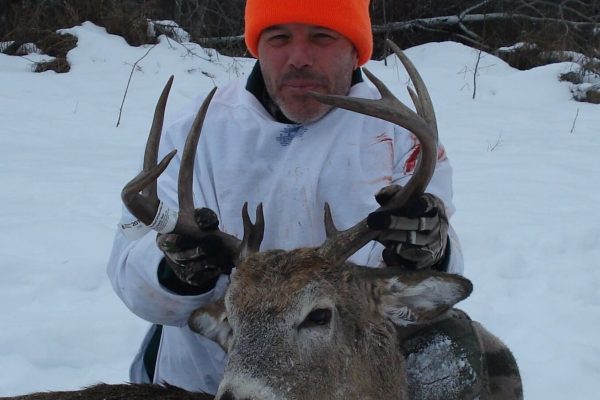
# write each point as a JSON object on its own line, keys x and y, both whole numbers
{"x": 527, "y": 189}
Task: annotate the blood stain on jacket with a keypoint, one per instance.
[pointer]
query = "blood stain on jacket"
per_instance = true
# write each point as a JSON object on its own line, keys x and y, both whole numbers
{"x": 411, "y": 161}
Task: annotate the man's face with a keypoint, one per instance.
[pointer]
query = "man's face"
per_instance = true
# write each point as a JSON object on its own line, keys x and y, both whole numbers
{"x": 296, "y": 59}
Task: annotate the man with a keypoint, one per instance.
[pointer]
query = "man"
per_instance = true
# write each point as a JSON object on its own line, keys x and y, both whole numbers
{"x": 266, "y": 140}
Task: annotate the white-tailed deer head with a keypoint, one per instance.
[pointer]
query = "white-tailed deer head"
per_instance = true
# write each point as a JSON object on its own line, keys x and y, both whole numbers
{"x": 297, "y": 326}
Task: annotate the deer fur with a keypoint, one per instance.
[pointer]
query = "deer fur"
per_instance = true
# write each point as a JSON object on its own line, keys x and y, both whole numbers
{"x": 277, "y": 352}
{"x": 127, "y": 391}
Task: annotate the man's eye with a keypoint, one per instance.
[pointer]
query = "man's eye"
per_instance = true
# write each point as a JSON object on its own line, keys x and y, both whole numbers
{"x": 323, "y": 38}
{"x": 275, "y": 39}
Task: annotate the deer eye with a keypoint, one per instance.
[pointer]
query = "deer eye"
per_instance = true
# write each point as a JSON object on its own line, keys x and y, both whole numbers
{"x": 318, "y": 317}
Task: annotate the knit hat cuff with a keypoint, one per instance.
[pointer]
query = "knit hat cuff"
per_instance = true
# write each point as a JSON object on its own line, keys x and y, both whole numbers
{"x": 348, "y": 17}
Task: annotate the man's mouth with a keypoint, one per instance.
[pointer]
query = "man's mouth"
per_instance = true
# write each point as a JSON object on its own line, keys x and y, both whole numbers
{"x": 300, "y": 85}
{"x": 301, "y": 88}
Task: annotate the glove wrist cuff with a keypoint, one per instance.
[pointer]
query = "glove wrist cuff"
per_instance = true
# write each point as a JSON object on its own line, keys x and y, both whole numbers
{"x": 442, "y": 264}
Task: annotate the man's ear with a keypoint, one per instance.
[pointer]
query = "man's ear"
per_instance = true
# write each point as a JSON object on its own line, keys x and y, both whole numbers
{"x": 410, "y": 298}
{"x": 211, "y": 321}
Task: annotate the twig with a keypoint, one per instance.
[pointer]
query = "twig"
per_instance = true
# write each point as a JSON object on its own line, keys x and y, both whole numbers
{"x": 475, "y": 43}
{"x": 29, "y": 59}
{"x": 462, "y": 26}
{"x": 469, "y": 32}
{"x": 476, "y": 6}
{"x": 574, "y": 120}
{"x": 475, "y": 74}
{"x": 191, "y": 52}
{"x": 492, "y": 147}
{"x": 129, "y": 81}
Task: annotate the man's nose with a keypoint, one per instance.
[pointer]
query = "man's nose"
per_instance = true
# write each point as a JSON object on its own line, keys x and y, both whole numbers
{"x": 301, "y": 55}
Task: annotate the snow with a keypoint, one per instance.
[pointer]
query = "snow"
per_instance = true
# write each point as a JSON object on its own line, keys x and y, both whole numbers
{"x": 439, "y": 370}
{"x": 526, "y": 187}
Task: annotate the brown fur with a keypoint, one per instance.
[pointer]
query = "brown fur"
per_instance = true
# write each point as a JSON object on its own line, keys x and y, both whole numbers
{"x": 273, "y": 357}
{"x": 118, "y": 392}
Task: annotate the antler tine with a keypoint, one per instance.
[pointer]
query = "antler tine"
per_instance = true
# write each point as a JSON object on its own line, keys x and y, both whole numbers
{"x": 415, "y": 100}
{"x": 330, "y": 229}
{"x": 340, "y": 245}
{"x": 186, "y": 221}
{"x": 186, "y": 170}
{"x": 388, "y": 107}
{"x": 253, "y": 233}
{"x": 151, "y": 154}
{"x": 423, "y": 101}
{"x": 145, "y": 205}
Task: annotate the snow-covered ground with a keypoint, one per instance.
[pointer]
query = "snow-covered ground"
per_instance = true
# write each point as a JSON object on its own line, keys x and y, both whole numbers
{"x": 527, "y": 188}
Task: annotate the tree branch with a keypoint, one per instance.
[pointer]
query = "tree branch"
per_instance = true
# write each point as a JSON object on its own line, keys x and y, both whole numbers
{"x": 455, "y": 20}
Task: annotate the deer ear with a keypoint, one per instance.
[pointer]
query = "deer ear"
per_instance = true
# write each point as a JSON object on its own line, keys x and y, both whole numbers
{"x": 211, "y": 321}
{"x": 413, "y": 298}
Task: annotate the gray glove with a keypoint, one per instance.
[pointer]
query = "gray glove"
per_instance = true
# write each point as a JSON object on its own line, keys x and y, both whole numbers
{"x": 416, "y": 235}
{"x": 197, "y": 263}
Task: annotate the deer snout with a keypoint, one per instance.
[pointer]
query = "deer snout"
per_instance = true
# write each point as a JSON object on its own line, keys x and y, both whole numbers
{"x": 243, "y": 387}
{"x": 230, "y": 396}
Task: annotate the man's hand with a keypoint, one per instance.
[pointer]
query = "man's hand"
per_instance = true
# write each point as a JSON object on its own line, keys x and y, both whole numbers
{"x": 197, "y": 263}
{"x": 416, "y": 235}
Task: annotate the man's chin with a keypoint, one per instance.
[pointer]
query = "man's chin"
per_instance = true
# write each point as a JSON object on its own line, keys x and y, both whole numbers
{"x": 302, "y": 109}
{"x": 305, "y": 114}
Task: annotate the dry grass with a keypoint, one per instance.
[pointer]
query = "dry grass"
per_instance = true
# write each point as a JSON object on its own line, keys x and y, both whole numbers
{"x": 38, "y": 21}
{"x": 59, "y": 65}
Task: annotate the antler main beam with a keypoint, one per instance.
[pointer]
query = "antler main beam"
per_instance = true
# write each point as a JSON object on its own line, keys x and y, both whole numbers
{"x": 341, "y": 245}
{"x": 140, "y": 194}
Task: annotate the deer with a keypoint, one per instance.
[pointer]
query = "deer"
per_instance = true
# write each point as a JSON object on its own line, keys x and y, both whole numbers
{"x": 307, "y": 323}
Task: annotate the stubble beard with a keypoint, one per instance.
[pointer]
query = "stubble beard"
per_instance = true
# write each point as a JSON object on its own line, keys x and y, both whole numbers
{"x": 303, "y": 108}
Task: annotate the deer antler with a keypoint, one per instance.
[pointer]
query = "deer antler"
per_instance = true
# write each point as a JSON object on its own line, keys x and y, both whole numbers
{"x": 141, "y": 198}
{"x": 340, "y": 245}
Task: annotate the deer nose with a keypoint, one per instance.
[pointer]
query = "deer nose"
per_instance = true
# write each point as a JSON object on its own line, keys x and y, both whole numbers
{"x": 230, "y": 396}
{"x": 226, "y": 396}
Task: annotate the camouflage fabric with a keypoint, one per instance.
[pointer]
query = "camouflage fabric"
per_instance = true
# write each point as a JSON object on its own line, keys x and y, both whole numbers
{"x": 444, "y": 360}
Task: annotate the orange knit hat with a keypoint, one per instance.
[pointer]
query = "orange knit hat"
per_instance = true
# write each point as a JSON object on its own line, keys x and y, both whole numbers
{"x": 348, "y": 17}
